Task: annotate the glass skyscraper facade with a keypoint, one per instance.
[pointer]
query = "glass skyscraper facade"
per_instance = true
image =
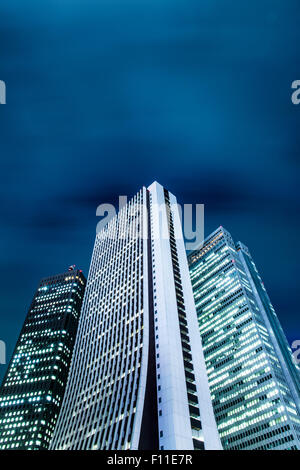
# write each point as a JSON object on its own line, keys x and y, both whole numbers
{"x": 33, "y": 387}
{"x": 133, "y": 382}
{"x": 253, "y": 380}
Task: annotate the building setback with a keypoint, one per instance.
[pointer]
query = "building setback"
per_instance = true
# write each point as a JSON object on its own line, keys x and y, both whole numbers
{"x": 33, "y": 387}
{"x": 138, "y": 378}
{"x": 254, "y": 382}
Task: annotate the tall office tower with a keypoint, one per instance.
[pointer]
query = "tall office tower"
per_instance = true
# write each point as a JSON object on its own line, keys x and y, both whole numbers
{"x": 253, "y": 381}
{"x": 133, "y": 382}
{"x": 33, "y": 387}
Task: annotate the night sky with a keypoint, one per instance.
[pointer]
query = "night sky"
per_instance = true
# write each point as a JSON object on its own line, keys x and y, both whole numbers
{"x": 105, "y": 96}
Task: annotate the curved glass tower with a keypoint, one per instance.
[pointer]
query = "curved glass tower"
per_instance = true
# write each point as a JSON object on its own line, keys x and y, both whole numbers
{"x": 133, "y": 383}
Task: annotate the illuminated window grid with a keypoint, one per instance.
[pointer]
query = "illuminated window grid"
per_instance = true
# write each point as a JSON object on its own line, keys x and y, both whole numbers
{"x": 254, "y": 406}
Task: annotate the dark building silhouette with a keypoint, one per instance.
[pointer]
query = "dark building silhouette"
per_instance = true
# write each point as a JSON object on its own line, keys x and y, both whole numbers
{"x": 33, "y": 387}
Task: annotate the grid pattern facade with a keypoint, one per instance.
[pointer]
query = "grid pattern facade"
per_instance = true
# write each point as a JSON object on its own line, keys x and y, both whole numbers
{"x": 102, "y": 409}
{"x": 132, "y": 383}
{"x": 254, "y": 403}
{"x": 33, "y": 387}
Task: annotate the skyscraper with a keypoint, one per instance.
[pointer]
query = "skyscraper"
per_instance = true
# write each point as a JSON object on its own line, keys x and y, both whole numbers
{"x": 138, "y": 378}
{"x": 34, "y": 384}
{"x": 253, "y": 381}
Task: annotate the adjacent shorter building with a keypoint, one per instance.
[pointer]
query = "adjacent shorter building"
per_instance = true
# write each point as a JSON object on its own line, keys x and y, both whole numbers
{"x": 253, "y": 380}
{"x": 138, "y": 377}
{"x": 33, "y": 387}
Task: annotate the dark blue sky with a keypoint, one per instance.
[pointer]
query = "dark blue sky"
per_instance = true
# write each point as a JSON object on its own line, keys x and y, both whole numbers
{"x": 104, "y": 96}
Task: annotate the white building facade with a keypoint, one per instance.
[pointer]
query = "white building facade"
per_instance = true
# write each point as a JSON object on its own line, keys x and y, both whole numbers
{"x": 138, "y": 378}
